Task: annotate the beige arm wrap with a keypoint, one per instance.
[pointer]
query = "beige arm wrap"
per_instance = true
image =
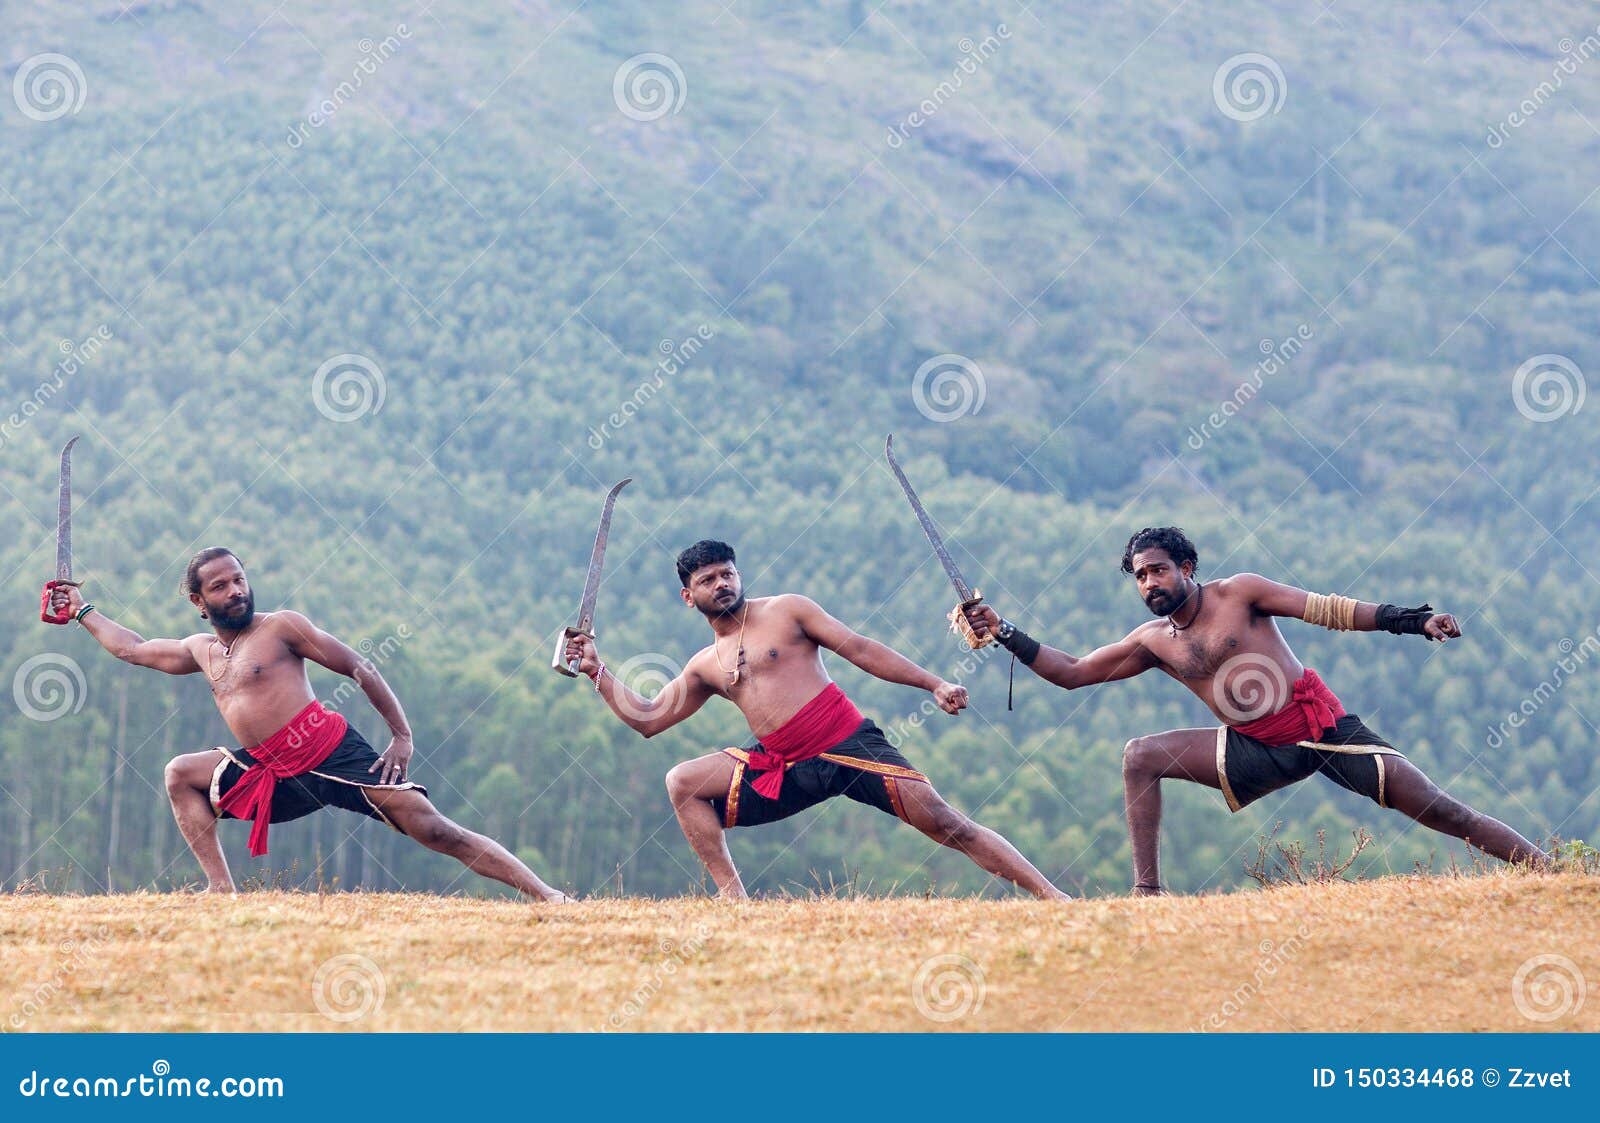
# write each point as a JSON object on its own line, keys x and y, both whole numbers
{"x": 1331, "y": 611}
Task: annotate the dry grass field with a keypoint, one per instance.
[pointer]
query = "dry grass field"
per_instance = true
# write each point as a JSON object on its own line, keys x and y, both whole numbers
{"x": 1403, "y": 953}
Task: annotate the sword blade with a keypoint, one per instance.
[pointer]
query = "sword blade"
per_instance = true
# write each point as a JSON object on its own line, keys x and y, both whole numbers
{"x": 597, "y": 558}
{"x": 928, "y": 528}
{"x": 64, "y": 516}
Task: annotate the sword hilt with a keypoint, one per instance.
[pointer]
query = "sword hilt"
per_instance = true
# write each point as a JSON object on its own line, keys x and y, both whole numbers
{"x": 65, "y": 616}
{"x": 559, "y": 662}
{"x": 964, "y": 627}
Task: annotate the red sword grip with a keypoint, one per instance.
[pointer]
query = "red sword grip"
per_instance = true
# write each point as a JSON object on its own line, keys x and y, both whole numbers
{"x": 44, "y": 603}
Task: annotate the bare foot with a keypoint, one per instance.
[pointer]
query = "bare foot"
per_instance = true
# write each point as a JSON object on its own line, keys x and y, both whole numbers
{"x": 221, "y": 887}
{"x": 558, "y": 898}
{"x": 736, "y": 893}
{"x": 1056, "y": 895}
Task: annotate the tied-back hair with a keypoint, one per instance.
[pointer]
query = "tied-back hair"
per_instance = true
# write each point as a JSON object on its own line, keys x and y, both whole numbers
{"x": 191, "y": 575}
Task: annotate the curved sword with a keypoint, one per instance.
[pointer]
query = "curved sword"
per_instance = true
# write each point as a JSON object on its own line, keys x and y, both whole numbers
{"x": 591, "y": 586}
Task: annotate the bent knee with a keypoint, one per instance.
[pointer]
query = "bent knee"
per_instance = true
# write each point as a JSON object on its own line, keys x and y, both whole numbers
{"x": 189, "y": 772}
{"x": 682, "y": 783}
{"x": 1141, "y": 757}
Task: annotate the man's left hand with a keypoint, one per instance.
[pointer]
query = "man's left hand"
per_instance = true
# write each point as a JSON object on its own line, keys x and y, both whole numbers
{"x": 1441, "y": 626}
{"x": 395, "y": 761}
{"x": 951, "y": 696}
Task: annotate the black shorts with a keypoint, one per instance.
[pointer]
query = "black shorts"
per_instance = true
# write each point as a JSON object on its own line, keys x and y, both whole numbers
{"x": 1348, "y": 753}
{"x": 343, "y": 780}
{"x": 863, "y": 767}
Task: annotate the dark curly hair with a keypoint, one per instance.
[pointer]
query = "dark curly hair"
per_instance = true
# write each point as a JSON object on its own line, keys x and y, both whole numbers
{"x": 1172, "y": 539}
{"x": 707, "y": 551}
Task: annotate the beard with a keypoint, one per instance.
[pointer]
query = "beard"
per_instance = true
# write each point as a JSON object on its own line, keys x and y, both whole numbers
{"x": 717, "y": 612}
{"x": 1163, "y": 603}
{"x": 235, "y": 615}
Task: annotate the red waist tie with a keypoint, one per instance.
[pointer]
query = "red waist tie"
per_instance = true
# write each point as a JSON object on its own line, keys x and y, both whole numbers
{"x": 1311, "y": 709}
{"x": 306, "y": 741}
{"x": 815, "y": 728}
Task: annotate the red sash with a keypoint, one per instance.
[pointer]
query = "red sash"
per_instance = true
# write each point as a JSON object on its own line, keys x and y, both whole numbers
{"x": 815, "y": 728}
{"x": 306, "y": 741}
{"x": 1311, "y": 709}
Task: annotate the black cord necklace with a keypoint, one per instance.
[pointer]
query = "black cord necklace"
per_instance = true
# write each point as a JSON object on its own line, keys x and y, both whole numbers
{"x": 1199, "y": 603}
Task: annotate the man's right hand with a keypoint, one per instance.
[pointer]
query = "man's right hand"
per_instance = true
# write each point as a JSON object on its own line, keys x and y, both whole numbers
{"x": 583, "y": 650}
{"x": 68, "y": 597}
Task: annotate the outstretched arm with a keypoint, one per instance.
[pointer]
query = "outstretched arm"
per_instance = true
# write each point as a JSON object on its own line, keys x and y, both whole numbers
{"x": 308, "y": 641}
{"x": 878, "y": 660}
{"x": 168, "y": 655}
{"x": 646, "y": 716}
{"x": 1123, "y": 659}
{"x": 1271, "y": 598}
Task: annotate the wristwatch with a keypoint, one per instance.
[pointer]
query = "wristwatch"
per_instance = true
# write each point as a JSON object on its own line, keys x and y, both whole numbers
{"x": 1005, "y": 631}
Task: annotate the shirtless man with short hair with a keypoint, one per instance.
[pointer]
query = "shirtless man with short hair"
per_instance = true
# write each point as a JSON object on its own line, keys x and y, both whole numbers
{"x": 812, "y": 743}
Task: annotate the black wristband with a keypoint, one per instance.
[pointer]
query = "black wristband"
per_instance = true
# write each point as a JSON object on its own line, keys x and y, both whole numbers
{"x": 1403, "y": 621}
{"x": 1022, "y": 645}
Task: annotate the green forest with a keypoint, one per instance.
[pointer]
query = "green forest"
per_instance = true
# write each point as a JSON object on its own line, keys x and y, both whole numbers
{"x": 385, "y": 299}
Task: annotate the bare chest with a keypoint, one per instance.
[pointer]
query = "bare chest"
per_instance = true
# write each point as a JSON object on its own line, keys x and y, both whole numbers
{"x": 1198, "y": 656}
{"x": 242, "y": 671}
